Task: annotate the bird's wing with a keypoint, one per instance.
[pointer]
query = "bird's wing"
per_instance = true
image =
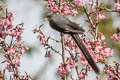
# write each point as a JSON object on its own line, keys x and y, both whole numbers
{"x": 69, "y": 26}
{"x": 76, "y": 26}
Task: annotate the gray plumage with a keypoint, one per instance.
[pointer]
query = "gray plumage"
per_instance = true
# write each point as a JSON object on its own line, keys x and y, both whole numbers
{"x": 64, "y": 25}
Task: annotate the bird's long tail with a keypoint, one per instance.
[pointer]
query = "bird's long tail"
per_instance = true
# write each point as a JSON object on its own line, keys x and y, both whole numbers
{"x": 85, "y": 52}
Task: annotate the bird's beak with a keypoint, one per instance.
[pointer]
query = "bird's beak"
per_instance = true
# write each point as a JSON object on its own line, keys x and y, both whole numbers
{"x": 46, "y": 19}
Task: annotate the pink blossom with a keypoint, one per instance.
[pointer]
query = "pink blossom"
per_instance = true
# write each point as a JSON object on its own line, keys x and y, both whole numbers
{"x": 25, "y": 47}
{"x": 91, "y": 2}
{"x": 48, "y": 54}
{"x": 107, "y": 70}
{"x": 97, "y": 50}
{"x": 4, "y": 22}
{"x": 14, "y": 78}
{"x": 64, "y": 69}
{"x": 108, "y": 52}
{"x": 102, "y": 37}
{"x": 22, "y": 50}
{"x": 10, "y": 17}
{"x": 9, "y": 68}
{"x": 65, "y": 9}
{"x": 67, "y": 68}
{"x": 117, "y": 6}
{"x": 74, "y": 12}
{"x": 42, "y": 38}
{"x": 83, "y": 60}
{"x": 79, "y": 3}
{"x": 53, "y": 7}
{"x": 17, "y": 60}
{"x": 10, "y": 48}
{"x": 100, "y": 16}
{"x": 1, "y": 39}
{"x": 16, "y": 69}
{"x": 71, "y": 63}
{"x": 36, "y": 30}
{"x": 7, "y": 21}
{"x": 90, "y": 68}
{"x": 26, "y": 77}
{"x": 11, "y": 51}
{"x": 82, "y": 75}
{"x": 116, "y": 37}
{"x": 19, "y": 38}
{"x": 113, "y": 77}
{"x": 98, "y": 47}
{"x": 69, "y": 44}
{"x": 12, "y": 32}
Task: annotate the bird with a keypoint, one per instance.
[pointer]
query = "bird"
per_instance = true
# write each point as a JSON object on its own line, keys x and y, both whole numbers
{"x": 64, "y": 25}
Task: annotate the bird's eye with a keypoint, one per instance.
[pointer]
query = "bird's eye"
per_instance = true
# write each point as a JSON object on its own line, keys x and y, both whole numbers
{"x": 49, "y": 15}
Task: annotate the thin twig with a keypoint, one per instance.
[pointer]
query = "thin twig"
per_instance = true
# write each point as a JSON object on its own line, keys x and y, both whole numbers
{"x": 76, "y": 68}
{"x": 52, "y": 48}
{"x": 90, "y": 20}
{"x": 63, "y": 54}
{"x": 11, "y": 41}
{"x": 62, "y": 42}
{"x": 96, "y": 30}
{"x": 6, "y": 12}
{"x": 97, "y": 22}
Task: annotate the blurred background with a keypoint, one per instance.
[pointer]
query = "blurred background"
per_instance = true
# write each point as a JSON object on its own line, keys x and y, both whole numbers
{"x": 32, "y": 14}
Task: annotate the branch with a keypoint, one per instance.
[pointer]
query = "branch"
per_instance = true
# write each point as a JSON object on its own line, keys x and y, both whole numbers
{"x": 63, "y": 54}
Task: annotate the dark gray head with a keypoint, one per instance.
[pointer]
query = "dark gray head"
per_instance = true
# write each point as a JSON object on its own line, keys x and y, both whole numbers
{"x": 50, "y": 15}
{"x": 54, "y": 16}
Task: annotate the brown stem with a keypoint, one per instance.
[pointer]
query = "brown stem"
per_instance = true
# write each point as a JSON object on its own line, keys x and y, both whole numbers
{"x": 63, "y": 54}
{"x": 96, "y": 30}
{"x": 76, "y": 68}
{"x": 62, "y": 42}
{"x": 6, "y": 12}
{"x": 59, "y": 6}
{"x": 52, "y": 48}
{"x": 11, "y": 42}
{"x": 89, "y": 18}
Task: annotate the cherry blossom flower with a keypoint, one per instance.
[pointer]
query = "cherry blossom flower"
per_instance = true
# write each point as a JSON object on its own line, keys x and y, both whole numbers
{"x": 64, "y": 69}
{"x": 82, "y": 75}
{"x": 74, "y": 12}
{"x": 116, "y": 37}
{"x": 48, "y": 54}
{"x": 117, "y": 6}
{"x": 101, "y": 37}
{"x": 69, "y": 44}
{"x": 71, "y": 63}
{"x": 64, "y": 8}
{"x": 97, "y": 50}
{"x": 52, "y": 6}
{"x": 79, "y": 2}
{"x": 12, "y": 50}
{"x": 91, "y": 2}
{"x": 26, "y": 77}
{"x": 112, "y": 72}
{"x": 42, "y": 38}
{"x": 100, "y": 16}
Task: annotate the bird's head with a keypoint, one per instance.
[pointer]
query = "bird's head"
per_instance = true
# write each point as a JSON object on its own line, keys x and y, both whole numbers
{"x": 50, "y": 16}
